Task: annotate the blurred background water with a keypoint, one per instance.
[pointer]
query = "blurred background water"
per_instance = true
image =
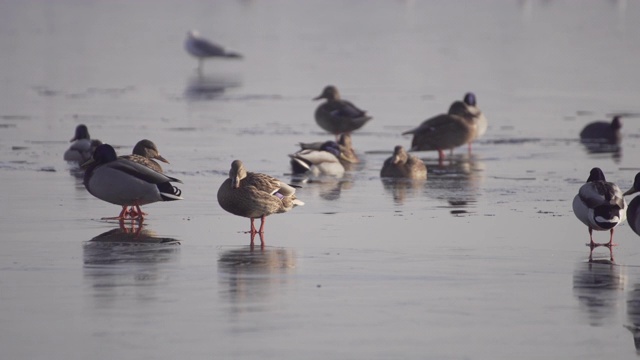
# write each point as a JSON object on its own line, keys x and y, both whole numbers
{"x": 484, "y": 260}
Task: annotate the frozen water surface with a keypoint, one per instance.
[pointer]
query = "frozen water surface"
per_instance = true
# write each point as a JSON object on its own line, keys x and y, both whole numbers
{"x": 484, "y": 260}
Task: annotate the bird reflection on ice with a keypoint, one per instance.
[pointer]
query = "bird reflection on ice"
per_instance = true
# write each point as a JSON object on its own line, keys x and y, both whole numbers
{"x": 209, "y": 87}
{"x": 633, "y": 315}
{"x": 402, "y": 189}
{"x": 118, "y": 261}
{"x": 252, "y": 277}
{"x": 458, "y": 182}
{"x": 598, "y": 285}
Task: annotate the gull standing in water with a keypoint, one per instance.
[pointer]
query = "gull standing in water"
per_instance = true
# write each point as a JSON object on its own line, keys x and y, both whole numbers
{"x": 202, "y": 48}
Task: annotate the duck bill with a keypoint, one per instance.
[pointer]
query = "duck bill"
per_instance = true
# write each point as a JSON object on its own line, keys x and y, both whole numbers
{"x": 633, "y": 190}
{"x": 161, "y": 158}
{"x": 235, "y": 182}
{"x": 318, "y": 97}
{"x": 346, "y": 158}
{"x": 87, "y": 163}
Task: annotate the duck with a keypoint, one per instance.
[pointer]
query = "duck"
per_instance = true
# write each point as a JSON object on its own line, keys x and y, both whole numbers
{"x": 144, "y": 152}
{"x": 255, "y": 195}
{"x": 403, "y": 165}
{"x": 468, "y": 109}
{"x": 348, "y": 156}
{"x": 324, "y": 161}
{"x": 83, "y": 146}
{"x": 202, "y": 49}
{"x": 603, "y": 132}
{"x": 126, "y": 183}
{"x": 633, "y": 210}
{"x": 442, "y": 132}
{"x": 600, "y": 205}
{"x": 338, "y": 116}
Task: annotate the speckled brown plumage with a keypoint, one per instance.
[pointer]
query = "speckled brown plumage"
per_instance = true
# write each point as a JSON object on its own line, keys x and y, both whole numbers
{"x": 403, "y": 165}
{"x": 255, "y": 195}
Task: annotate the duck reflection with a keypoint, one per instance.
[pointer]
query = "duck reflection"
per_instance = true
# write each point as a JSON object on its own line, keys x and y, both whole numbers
{"x": 117, "y": 262}
{"x": 601, "y": 150}
{"x": 458, "y": 182}
{"x": 633, "y": 314}
{"x": 326, "y": 187}
{"x": 401, "y": 189}
{"x": 209, "y": 87}
{"x": 598, "y": 286}
{"x": 251, "y": 277}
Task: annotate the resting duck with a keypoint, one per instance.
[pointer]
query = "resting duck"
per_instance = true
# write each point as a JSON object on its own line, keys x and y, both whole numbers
{"x": 83, "y": 147}
{"x": 600, "y": 205}
{"x": 126, "y": 183}
{"x": 633, "y": 211}
{"x": 468, "y": 109}
{"x": 338, "y": 116}
{"x": 403, "y": 165}
{"x": 201, "y": 48}
{"x": 144, "y": 152}
{"x": 442, "y": 132}
{"x": 324, "y": 161}
{"x": 603, "y": 132}
{"x": 255, "y": 195}
{"x": 347, "y": 156}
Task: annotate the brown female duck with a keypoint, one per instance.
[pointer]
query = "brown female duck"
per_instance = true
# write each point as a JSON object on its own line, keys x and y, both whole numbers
{"x": 255, "y": 195}
{"x": 338, "y": 116}
{"x": 403, "y": 165}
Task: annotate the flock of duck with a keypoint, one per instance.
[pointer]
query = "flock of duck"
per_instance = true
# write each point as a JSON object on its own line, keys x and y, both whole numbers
{"x": 134, "y": 180}
{"x": 131, "y": 181}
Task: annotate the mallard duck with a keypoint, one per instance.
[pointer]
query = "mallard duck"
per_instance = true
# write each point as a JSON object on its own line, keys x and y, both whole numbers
{"x": 347, "y": 156}
{"x": 442, "y": 132}
{"x": 83, "y": 147}
{"x": 403, "y": 165}
{"x": 324, "y": 161}
{"x": 126, "y": 183}
{"x": 202, "y": 48}
{"x": 603, "y": 132}
{"x": 633, "y": 211}
{"x": 144, "y": 152}
{"x": 600, "y": 205}
{"x": 338, "y": 116}
{"x": 255, "y": 195}
{"x": 468, "y": 109}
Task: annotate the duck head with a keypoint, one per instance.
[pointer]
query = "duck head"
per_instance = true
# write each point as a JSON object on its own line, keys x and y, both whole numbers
{"x": 330, "y": 92}
{"x": 399, "y": 155}
{"x": 82, "y": 132}
{"x": 596, "y": 175}
{"x": 470, "y": 99}
{"x": 635, "y": 187}
{"x": 148, "y": 149}
{"x": 237, "y": 173}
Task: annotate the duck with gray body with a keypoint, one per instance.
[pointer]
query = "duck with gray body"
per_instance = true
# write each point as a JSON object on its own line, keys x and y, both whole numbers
{"x": 126, "y": 183}
{"x": 255, "y": 195}
{"x": 338, "y": 116}
{"x": 144, "y": 153}
{"x": 403, "y": 165}
{"x": 322, "y": 162}
{"x": 633, "y": 210}
{"x": 83, "y": 147}
{"x": 348, "y": 157}
{"x": 600, "y": 205}
{"x": 202, "y": 49}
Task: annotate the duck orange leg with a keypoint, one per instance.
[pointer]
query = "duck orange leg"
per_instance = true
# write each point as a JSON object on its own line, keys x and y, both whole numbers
{"x": 253, "y": 230}
{"x": 262, "y": 221}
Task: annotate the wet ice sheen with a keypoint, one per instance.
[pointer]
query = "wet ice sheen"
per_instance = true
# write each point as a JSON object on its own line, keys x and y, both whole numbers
{"x": 484, "y": 260}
